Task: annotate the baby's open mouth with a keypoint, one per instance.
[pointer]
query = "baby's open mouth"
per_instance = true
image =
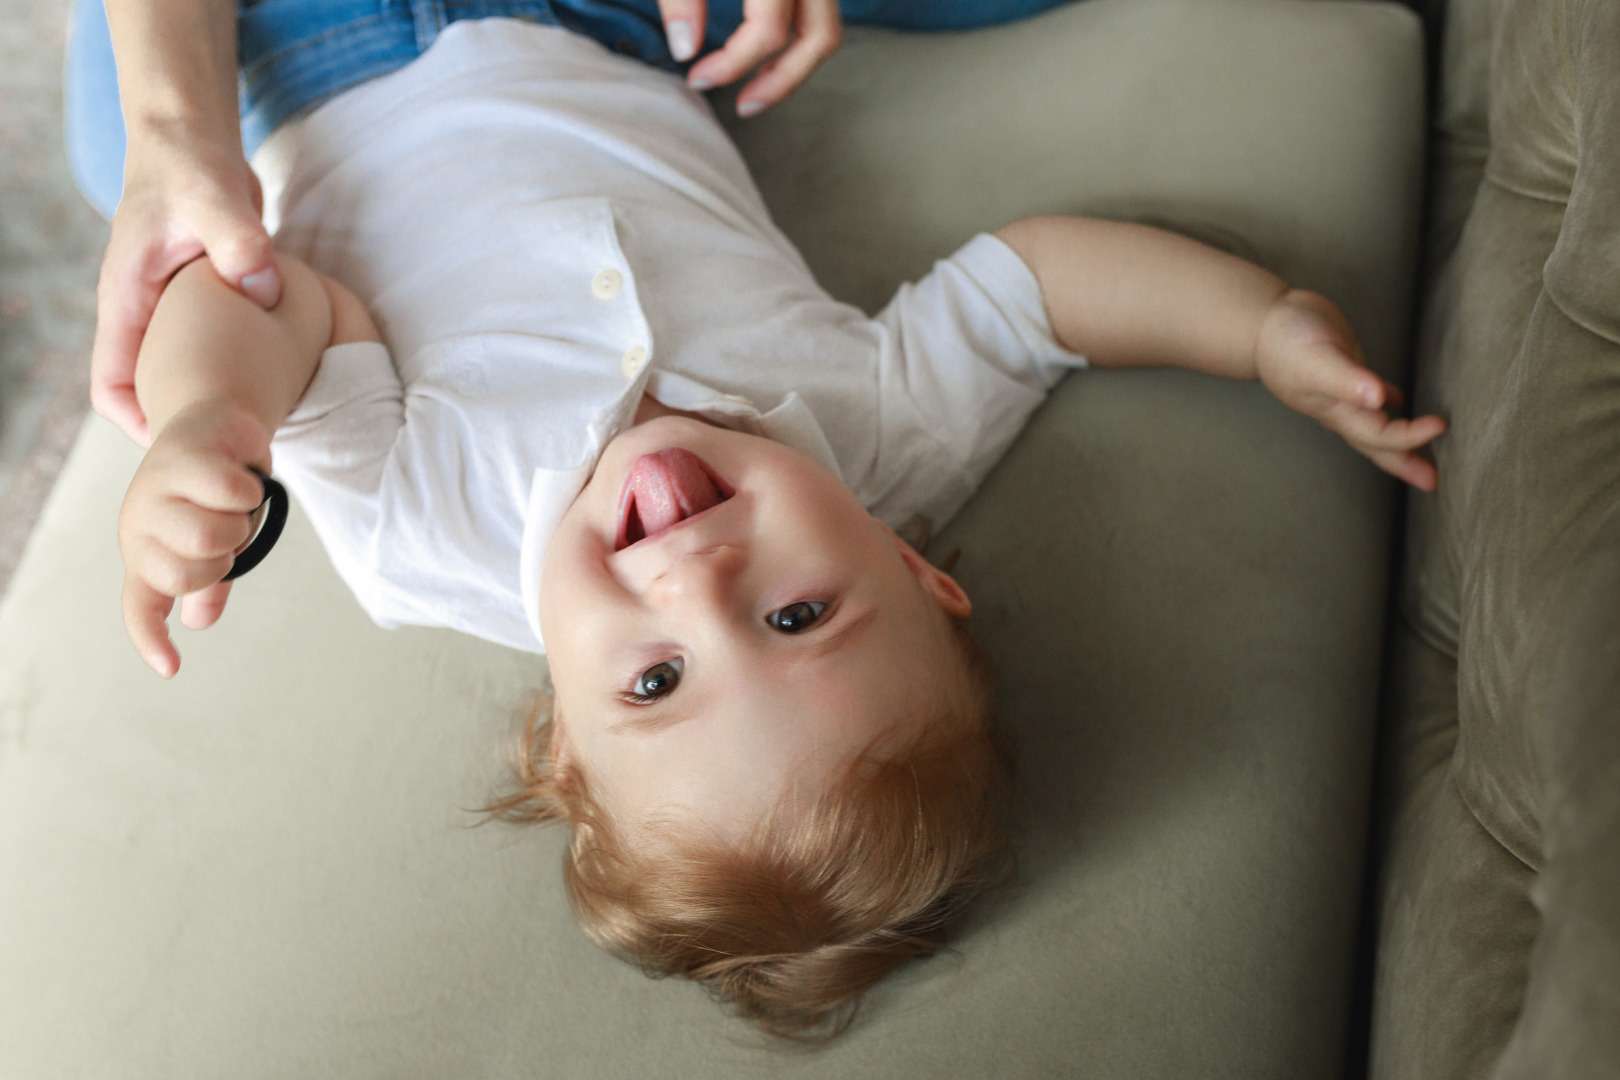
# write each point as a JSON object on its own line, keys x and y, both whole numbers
{"x": 663, "y": 490}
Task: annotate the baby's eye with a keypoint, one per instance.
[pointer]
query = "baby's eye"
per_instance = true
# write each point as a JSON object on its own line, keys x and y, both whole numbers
{"x": 795, "y": 617}
{"x": 658, "y": 680}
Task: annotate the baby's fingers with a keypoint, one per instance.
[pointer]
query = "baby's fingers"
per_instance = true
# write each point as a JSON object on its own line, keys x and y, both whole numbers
{"x": 194, "y": 533}
{"x": 1392, "y": 445}
{"x": 145, "y": 613}
{"x": 1369, "y": 429}
{"x": 202, "y": 609}
{"x": 170, "y": 573}
{"x": 212, "y": 482}
{"x": 1407, "y": 465}
{"x": 1330, "y": 373}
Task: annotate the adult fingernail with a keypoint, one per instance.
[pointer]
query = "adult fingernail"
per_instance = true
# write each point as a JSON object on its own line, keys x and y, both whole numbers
{"x": 1369, "y": 396}
{"x": 701, "y": 85}
{"x": 682, "y": 40}
{"x": 746, "y": 109}
{"x": 263, "y": 288}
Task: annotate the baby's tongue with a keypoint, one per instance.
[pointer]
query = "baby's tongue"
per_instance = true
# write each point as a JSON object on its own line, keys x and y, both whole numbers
{"x": 670, "y": 486}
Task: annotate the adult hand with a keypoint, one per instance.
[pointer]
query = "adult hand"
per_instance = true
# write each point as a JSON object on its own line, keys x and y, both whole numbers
{"x": 1309, "y": 358}
{"x": 184, "y": 196}
{"x": 785, "y": 39}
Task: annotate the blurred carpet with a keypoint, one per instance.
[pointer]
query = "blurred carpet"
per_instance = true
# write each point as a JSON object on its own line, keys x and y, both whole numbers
{"x": 50, "y": 248}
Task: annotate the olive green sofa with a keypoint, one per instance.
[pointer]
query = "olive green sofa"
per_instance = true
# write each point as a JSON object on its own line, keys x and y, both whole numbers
{"x": 1498, "y": 902}
{"x": 271, "y": 866}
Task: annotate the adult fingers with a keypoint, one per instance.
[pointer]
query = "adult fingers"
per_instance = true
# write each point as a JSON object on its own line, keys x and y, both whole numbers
{"x": 237, "y": 245}
{"x": 202, "y": 609}
{"x": 819, "y": 32}
{"x": 145, "y": 612}
{"x": 765, "y": 29}
{"x": 137, "y": 266}
{"x": 116, "y": 401}
{"x": 684, "y": 22}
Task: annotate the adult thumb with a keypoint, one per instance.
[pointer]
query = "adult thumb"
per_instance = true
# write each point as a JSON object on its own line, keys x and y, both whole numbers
{"x": 239, "y": 247}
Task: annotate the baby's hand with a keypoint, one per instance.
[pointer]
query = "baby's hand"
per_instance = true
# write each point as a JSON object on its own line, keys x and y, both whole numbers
{"x": 1307, "y": 356}
{"x": 187, "y": 512}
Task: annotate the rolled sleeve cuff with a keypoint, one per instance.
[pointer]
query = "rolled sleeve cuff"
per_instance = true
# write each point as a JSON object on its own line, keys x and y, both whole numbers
{"x": 1009, "y": 283}
{"x": 348, "y": 373}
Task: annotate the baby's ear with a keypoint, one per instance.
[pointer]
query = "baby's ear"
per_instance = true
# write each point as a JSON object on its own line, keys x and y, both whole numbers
{"x": 950, "y": 596}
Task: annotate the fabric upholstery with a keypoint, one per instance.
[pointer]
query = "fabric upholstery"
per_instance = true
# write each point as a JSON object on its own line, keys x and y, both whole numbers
{"x": 267, "y": 867}
{"x": 1502, "y": 852}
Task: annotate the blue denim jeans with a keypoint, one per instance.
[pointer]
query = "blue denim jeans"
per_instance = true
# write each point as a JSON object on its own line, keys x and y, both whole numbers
{"x": 295, "y": 54}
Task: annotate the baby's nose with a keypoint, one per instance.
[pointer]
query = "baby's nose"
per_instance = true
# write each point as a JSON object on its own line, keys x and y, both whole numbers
{"x": 704, "y": 578}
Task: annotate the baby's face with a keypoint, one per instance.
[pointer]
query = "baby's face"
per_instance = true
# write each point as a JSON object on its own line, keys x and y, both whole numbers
{"x": 742, "y": 652}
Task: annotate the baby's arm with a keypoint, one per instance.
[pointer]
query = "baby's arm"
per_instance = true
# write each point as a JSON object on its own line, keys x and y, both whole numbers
{"x": 1128, "y": 295}
{"x": 217, "y": 375}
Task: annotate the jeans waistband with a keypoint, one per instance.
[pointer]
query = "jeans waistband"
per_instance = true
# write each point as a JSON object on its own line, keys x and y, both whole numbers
{"x": 296, "y": 54}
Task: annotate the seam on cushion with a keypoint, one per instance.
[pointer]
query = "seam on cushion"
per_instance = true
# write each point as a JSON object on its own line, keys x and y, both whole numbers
{"x": 1513, "y": 189}
{"x": 1482, "y": 146}
{"x": 1458, "y": 781}
{"x": 1419, "y": 628}
{"x": 1548, "y": 290}
{"x": 1566, "y": 65}
{"x": 1465, "y": 772}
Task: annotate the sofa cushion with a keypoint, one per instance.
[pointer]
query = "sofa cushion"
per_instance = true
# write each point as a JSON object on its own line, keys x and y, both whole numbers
{"x": 1522, "y": 352}
{"x": 268, "y": 867}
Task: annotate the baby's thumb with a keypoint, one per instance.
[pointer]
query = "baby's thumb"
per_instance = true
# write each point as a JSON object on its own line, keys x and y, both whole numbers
{"x": 1341, "y": 378}
{"x": 240, "y": 250}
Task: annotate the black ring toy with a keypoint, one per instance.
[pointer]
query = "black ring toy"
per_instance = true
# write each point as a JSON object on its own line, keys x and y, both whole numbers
{"x": 274, "y": 519}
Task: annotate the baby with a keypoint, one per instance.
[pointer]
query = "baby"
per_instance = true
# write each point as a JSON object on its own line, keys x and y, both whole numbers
{"x": 616, "y": 415}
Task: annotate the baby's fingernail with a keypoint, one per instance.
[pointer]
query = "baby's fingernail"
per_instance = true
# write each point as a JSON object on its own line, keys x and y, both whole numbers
{"x": 746, "y": 109}
{"x": 700, "y": 85}
{"x": 263, "y": 288}
{"x": 682, "y": 40}
{"x": 1369, "y": 396}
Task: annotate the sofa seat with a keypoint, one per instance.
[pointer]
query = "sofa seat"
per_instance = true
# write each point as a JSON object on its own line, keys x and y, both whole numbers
{"x": 270, "y": 867}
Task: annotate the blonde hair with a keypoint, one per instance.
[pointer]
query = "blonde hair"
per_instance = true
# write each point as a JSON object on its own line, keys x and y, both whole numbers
{"x": 795, "y": 924}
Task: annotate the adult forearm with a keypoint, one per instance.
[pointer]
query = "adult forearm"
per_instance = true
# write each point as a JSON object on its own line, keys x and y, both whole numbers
{"x": 176, "y": 65}
{"x": 1127, "y": 295}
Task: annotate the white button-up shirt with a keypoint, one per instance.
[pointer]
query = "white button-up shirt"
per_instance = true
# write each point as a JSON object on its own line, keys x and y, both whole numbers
{"x": 544, "y": 232}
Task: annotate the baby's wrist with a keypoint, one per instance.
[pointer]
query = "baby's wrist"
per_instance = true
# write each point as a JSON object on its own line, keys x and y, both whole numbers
{"x": 206, "y": 419}
{"x": 1273, "y": 318}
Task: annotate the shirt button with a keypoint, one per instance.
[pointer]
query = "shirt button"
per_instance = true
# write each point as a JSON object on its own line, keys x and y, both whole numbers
{"x": 633, "y": 361}
{"x": 607, "y": 283}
